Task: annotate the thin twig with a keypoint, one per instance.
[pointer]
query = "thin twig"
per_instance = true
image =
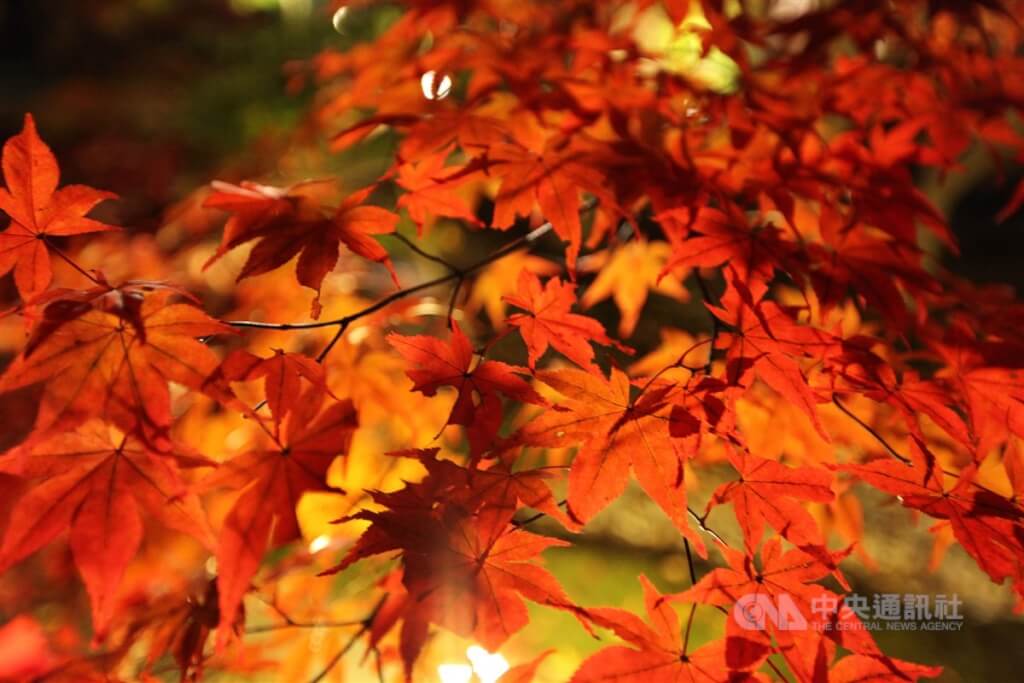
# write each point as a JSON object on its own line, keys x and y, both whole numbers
{"x": 871, "y": 430}
{"x": 715, "y": 326}
{"x": 425, "y": 254}
{"x": 365, "y": 626}
{"x": 532, "y": 518}
{"x": 693, "y": 582}
{"x": 454, "y": 297}
{"x": 265, "y": 628}
{"x": 523, "y": 241}
{"x": 902, "y": 458}
{"x": 704, "y": 527}
{"x": 775, "y": 669}
{"x": 456, "y": 274}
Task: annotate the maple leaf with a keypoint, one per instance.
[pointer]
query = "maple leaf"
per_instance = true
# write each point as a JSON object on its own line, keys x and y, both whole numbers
{"x": 459, "y": 570}
{"x": 430, "y": 194}
{"x": 439, "y": 364}
{"x": 763, "y": 494}
{"x": 721, "y": 237}
{"x": 552, "y": 180}
{"x": 658, "y": 652}
{"x": 463, "y": 563}
{"x": 912, "y": 396}
{"x": 618, "y": 433}
{"x": 114, "y": 356}
{"x": 993, "y": 399}
{"x": 499, "y": 280}
{"x": 493, "y": 492}
{"x": 781, "y": 577}
{"x": 94, "y": 480}
{"x": 38, "y": 209}
{"x": 547, "y": 321}
{"x": 180, "y": 626}
{"x": 763, "y": 337}
{"x": 631, "y": 271}
{"x": 780, "y": 573}
{"x": 292, "y": 221}
{"x": 271, "y": 481}
{"x": 989, "y": 527}
{"x": 281, "y": 374}
{"x": 878, "y": 271}
{"x": 867, "y": 669}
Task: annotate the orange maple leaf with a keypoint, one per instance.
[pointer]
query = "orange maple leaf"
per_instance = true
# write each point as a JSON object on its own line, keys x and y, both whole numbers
{"x": 628, "y": 275}
{"x": 272, "y": 480}
{"x": 552, "y": 180}
{"x": 548, "y": 321}
{"x": 116, "y": 359}
{"x": 617, "y": 433}
{"x": 659, "y": 652}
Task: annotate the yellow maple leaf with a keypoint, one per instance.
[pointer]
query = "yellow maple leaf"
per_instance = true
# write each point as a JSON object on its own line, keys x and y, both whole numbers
{"x": 628, "y": 274}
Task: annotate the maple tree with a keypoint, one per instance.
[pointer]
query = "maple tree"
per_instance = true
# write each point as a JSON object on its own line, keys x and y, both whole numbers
{"x": 270, "y": 436}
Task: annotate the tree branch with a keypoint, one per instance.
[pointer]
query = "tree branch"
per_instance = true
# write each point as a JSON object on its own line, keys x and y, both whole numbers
{"x": 425, "y": 254}
{"x": 364, "y": 627}
{"x": 345, "y": 321}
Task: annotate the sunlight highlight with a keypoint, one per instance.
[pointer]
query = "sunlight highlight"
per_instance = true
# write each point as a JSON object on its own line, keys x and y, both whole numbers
{"x": 488, "y": 667}
{"x": 455, "y": 673}
{"x": 319, "y": 543}
{"x": 435, "y": 86}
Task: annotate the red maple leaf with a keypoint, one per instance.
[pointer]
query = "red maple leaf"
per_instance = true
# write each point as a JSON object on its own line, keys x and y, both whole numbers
{"x": 764, "y": 338}
{"x": 989, "y": 527}
{"x": 439, "y": 364}
{"x": 39, "y": 210}
{"x": 711, "y": 237}
{"x": 94, "y": 480}
{"x": 293, "y": 221}
{"x": 491, "y": 489}
{"x": 765, "y": 493}
{"x": 548, "y": 321}
{"x": 552, "y": 180}
{"x": 867, "y": 669}
{"x": 459, "y": 570}
{"x": 429, "y": 192}
{"x": 113, "y": 353}
{"x": 992, "y": 394}
{"x": 465, "y": 566}
{"x": 781, "y": 579}
{"x": 911, "y": 396}
{"x": 281, "y": 373}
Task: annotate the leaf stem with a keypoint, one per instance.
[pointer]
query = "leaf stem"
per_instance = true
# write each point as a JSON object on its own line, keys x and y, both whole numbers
{"x": 70, "y": 261}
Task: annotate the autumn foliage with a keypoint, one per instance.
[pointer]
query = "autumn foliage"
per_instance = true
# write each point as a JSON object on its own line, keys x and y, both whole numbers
{"x": 293, "y": 410}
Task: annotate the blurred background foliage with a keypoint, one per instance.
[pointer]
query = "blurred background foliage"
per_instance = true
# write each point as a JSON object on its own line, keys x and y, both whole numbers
{"x": 154, "y": 98}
